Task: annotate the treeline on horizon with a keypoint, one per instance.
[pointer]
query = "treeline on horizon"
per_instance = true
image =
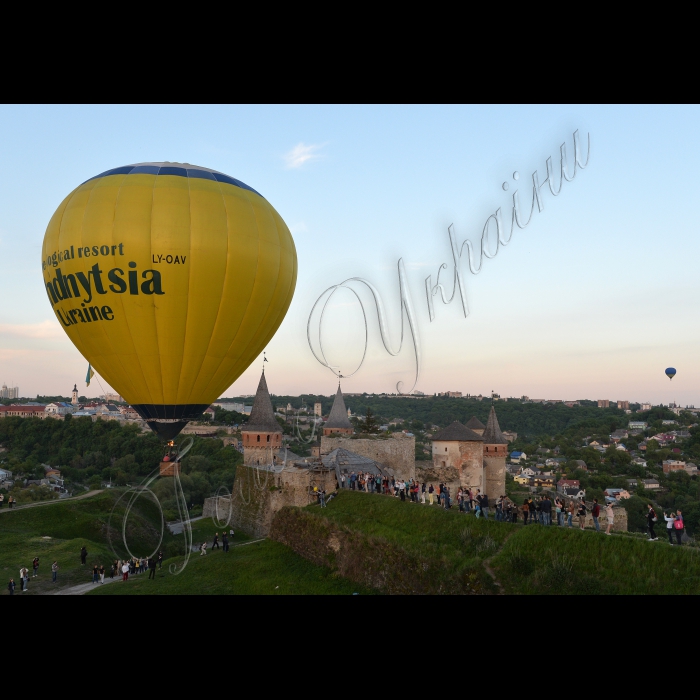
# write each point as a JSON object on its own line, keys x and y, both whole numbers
{"x": 529, "y": 420}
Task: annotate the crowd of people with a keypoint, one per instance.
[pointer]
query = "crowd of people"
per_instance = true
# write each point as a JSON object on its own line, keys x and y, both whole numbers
{"x": 542, "y": 510}
{"x": 675, "y": 527}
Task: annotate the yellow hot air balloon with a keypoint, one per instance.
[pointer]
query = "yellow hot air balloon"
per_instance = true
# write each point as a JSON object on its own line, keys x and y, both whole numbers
{"x": 170, "y": 279}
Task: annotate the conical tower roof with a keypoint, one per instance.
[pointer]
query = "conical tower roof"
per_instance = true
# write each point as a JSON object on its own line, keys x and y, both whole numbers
{"x": 456, "y": 432}
{"x": 475, "y": 424}
{"x": 262, "y": 417}
{"x": 493, "y": 434}
{"x": 338, "y": 417}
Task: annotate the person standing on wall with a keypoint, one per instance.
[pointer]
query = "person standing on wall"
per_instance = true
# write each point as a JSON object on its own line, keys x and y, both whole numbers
{"x": 679, "y": 527}
{"x": 431, "y": 494}
{"x": 582, "y": 510}
{"x": 152, "y": 568}
{"x": 670, "y": 519}
{"x": 572, "y": 508}
{"x": 526, "y": 511}
{"x": 651, "y": 519}
{"x": 485, "y": 506}
{"x": 610, "y": 514}
{"x": 595, "y": 512}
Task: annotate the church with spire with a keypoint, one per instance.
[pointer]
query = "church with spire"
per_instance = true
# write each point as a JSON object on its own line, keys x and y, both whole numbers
{"x": 478, "y": 452}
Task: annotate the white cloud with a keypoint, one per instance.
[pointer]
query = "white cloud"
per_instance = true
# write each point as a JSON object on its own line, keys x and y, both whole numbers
{"x": 45, "y": 329}
{"x": 302, "y": 153}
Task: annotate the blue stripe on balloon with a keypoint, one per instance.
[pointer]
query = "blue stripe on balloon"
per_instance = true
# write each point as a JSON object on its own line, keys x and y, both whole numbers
{"x": 178, "y": 172}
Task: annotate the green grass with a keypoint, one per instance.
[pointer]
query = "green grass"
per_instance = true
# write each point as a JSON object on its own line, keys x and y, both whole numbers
{"x": 560, "y": 561}
{"x": 58, "y": 531}
{"x": 259, "y": 568}
{"x": 423, "y": 529}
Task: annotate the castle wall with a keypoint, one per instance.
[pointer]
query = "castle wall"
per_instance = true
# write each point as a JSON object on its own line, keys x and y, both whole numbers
{"x": 397, "y": 452}
{"x": 466, "y": 457}
{"x": 259, "y": 493}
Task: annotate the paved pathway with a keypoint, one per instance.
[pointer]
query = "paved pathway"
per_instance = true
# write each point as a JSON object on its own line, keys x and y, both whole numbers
{"x": 5, "y": 508}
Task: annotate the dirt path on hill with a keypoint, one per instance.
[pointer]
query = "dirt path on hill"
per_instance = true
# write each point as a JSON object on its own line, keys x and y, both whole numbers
{"x": 5, "y": 509}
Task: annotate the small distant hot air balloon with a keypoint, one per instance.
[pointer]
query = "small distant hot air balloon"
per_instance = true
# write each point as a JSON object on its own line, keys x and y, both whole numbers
{"x": 170, "y": 279}
{"x": 670, "y": 372}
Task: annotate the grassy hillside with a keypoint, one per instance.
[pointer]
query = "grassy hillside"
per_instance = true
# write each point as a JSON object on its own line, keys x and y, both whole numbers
{"x": 380, "y": 539}
{"x": 58, "y": 530}
{"x": 259, "y": 568}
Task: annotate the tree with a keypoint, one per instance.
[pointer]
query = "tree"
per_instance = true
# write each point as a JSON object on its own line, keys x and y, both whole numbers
{"x": 369, "y": 424}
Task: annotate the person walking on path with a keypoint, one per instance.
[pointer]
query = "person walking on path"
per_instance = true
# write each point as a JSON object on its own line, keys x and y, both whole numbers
{"x": 679, "y": 527}
{"x": 125, "y": 572}
{"x": 224, "y": 543}
{"x": 609, "y": 513}
{"x": 11, "y": 586}
{"x": 10, "y": 502}
{"x": 651, "y": 519}
{"x": 83, "y": 555}
{"x": 582, "y": 514}
{"x": 204, "y": 550}
{"x": 95, "y": 574}
{"x": 152, "y": 566}
{"x": 160, "y": 556}
{"x": 54, "y": 572}
{"x": 35, "y": 567}
{"x": 216, "y": 541}
{"x": 101, "y": 572}
{"x": 595, "y": 513}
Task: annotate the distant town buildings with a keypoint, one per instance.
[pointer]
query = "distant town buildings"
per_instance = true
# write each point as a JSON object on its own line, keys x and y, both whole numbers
{"x": 111, "y": 398}
{"x": 11, "y": 392}
{"x": 318, "y": 410}
{"x": 451, "y": 394}
{"x": 603, "y": 403}
{"x": 624, "y": 405}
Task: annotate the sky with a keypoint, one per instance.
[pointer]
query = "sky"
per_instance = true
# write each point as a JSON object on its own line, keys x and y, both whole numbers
{"x": 593, "y": 299}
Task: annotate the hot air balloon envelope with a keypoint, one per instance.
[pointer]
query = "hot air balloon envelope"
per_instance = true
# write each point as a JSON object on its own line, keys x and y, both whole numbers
{"x": 170, "y": 279}
{"x": 670, "y": 372}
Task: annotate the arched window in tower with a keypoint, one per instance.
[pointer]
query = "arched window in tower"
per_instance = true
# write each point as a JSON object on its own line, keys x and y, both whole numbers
{"x": 268, "y": 438}
{"x": 258, "y": 438}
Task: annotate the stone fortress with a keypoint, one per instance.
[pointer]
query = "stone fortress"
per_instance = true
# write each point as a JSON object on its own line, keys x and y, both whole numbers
{"x": 272, "y": 477}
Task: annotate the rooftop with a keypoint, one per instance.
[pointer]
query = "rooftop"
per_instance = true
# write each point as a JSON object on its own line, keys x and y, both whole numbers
{"x": 262, "y": 417}
{"x": 456, "y": 432}
{"x": 338, "y": 417}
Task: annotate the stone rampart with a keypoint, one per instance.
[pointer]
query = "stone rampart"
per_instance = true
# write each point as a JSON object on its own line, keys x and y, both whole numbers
{"x": 260, "y": 493}
{"x": 397, "y": 452}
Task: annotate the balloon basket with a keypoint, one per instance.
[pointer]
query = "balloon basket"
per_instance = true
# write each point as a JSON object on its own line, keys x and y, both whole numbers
{"x": 169, "y": 468}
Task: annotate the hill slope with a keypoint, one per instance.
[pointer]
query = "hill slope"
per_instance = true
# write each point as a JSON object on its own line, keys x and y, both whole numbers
{"x": 409, "y": 548}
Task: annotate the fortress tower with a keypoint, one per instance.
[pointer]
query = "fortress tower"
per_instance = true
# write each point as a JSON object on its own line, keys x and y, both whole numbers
{"x": 495, "y": 452}
{"x": 459, "y": 447}
{"x": 262, "y": 434}
{"x": 338, "y": 422}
